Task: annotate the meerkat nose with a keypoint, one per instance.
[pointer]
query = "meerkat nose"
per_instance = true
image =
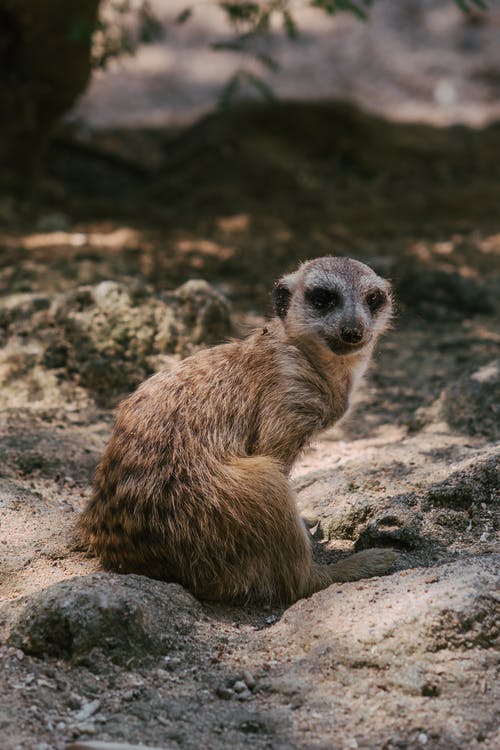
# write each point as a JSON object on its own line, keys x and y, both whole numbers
{"x": 351, "y": 335}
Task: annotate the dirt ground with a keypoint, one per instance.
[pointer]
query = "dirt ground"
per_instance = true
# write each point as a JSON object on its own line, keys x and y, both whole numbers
{"x": 91, "y": 303}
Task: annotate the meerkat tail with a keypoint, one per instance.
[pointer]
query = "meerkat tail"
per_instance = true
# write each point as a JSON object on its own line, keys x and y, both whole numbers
{"x": 366, "y": 564}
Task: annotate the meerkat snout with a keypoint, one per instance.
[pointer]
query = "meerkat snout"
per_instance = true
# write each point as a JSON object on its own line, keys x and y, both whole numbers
{"x": 193, "y": 486}
{"x": 351, "y": 335}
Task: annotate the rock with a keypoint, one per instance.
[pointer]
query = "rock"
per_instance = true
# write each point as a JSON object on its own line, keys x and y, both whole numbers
{"x": 249, "y": 679}
{"x": 109, "y": 295}
{"x": 204, "y": 311}
{"x": 346, "y": 517}
{"x": 22, "y": 306}
{"x": 472, "y": 404}
{"x": 128, "y": 618}
{"x": 402, "y": 614}
{"x": 478, "y": 483}
{"x": 395, "y": 499}
{"x": 394, "y": 525}
{"x": 244, "y": 695}
{"x": 108, "y": 337}
{"x": 414, "y": 642}
{"x": 87, "y": 710}
{"x": 239, "y": 686}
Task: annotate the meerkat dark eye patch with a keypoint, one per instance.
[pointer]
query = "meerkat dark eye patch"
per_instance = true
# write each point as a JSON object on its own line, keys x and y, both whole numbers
{"x": 322, "y": 298}
{"x": 376, "y": 299}
{"x": 281, "y": 299}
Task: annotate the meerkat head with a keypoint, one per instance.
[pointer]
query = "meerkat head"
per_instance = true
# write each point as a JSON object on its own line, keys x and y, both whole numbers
{"x": 340, "y": 302}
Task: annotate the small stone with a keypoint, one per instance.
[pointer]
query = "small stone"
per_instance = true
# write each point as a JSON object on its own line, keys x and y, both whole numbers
{"x": 249, "y": 679}
{"x": 239, "y": 686}
{"x": 74, "y": 701}
{"x": 423, "y": 738}
{"x": 87, "y": 710}
{"x": 271, "y": 619}
{"x": 86, "y": 728}
{"x": 244, "y": 695}
{"x": 44, "y": 683}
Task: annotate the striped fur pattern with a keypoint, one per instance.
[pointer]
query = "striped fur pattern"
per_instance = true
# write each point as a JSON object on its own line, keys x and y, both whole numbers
{"x": 193, "y": 486}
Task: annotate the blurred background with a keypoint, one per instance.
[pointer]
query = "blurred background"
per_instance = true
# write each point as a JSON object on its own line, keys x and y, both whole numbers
{"x": 149, "y": 142}
{"x": 421, "y": 60}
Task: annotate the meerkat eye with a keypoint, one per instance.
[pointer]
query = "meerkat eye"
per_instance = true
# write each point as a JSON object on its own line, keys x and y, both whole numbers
{"x": 375, "y": 300}
{"x": 322, "y": 299}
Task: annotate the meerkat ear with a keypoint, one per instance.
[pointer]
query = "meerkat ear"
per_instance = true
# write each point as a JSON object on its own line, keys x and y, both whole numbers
{"x": 281, "y": 298}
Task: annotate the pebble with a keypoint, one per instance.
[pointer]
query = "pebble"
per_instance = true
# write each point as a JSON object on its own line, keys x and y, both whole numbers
{"x": 249, "y": 679}
{"x": 422, "y": 738}
{"x": 244, "y": 695}
{"x": 74, "y": 701}
{"x": 87, "y": 710}
{"x": 271, "y": 619}
{"x": 239, "y": 686}
{"x": 132, "y": 695}
{"x": 44, "y": 683}
{"x": 86, "y": 729}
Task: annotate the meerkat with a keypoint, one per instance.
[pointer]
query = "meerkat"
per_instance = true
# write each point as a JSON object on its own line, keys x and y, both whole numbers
{"x": 193, "y": 486}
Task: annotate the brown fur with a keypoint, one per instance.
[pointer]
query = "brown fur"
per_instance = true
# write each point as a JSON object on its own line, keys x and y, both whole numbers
{"x": 193, "y": 484}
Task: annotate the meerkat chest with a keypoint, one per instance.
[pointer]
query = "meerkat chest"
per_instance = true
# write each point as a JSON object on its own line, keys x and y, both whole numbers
{"x": 316, "y": 396}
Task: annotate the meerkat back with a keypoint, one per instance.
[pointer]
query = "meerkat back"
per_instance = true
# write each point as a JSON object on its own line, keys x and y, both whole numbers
{"x": 193, "y": 486}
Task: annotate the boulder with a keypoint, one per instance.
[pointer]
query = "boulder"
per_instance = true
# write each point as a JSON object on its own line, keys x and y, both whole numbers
{"x": 127, "y": 617}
